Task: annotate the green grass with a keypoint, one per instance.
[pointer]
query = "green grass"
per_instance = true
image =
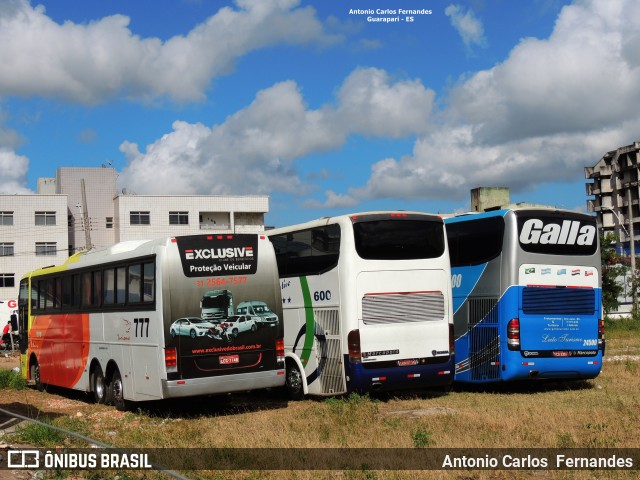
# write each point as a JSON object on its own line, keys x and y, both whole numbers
{"x": 40, "y": 434}
{"x": 10, "y": 380}
{"x": 623, "y": 325}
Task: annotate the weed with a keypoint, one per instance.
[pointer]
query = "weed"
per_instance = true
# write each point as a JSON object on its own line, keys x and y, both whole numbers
{"x": 565, "y": 440}
{"x": 10, "y": 380}
{"x": 421, "y": 439}
{"x": 40, "y": 434}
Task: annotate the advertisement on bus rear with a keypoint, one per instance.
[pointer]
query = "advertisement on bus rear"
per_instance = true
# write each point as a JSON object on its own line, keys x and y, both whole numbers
{"x": 225, "y": 308}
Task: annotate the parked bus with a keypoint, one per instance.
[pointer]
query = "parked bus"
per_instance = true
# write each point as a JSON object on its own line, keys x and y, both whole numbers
{"x": 527, "y": 295}
{"x": 124, "y": 323}
{"x": 366, "y": 303}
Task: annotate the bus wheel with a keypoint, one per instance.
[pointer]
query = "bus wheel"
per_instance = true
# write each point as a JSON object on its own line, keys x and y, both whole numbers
{"x": 98, "y": 386}
{"x": 293, "y": 382}
{"x": 35, "y": 376}
{"x": 117, "y": 392}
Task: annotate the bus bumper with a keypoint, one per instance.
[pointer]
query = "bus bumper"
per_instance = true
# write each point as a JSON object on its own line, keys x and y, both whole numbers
{"x": 222, "y": 384}
{"x": 364, "y": 380}
{"x": 551, "y": 368}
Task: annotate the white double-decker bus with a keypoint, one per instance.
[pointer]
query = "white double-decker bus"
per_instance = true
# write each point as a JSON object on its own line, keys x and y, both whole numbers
{"x": 366, "y": 303}
{"x": 125, "y": 323}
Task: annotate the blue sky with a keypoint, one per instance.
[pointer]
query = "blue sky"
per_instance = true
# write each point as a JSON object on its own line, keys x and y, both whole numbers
{"x": 314, "y": 105}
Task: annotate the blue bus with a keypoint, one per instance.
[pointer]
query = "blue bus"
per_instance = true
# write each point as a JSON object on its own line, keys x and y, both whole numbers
{"x": 527, "y": 295}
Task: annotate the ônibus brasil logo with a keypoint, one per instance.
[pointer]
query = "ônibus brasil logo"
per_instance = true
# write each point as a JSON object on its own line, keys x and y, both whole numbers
{"x": 570, "y": 232}
{"x": 218, "y": 253}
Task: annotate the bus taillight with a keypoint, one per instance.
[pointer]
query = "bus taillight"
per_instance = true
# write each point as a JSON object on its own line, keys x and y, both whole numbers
{"x": 601, "y": 342}
{"x": 513, "y": 334}
{"x": 452, "y": 343}
{"x": 280, "y": 353}
{"x": 171, "y": 359}
{"x": 353, "y": 339}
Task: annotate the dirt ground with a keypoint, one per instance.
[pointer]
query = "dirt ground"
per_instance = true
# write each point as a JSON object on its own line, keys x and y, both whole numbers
{"x": 9, "y": 360}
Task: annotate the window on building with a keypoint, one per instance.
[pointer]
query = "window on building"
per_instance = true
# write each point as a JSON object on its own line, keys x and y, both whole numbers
{"x": 139, "y": 218}
{"x": 178, "y": 218}
{"x": 46, "y": 249}
{"x": 109, "y": 222}
{"x": 7, "y": 279}
{"x": 45, "y": 218}
{"x": 6, "y": 249}
{"x": 6, "y": 218}
{"x": 70, "y": 221}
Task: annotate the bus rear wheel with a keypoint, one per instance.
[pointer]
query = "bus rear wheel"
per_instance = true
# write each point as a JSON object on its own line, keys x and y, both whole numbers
{"x": 98, "y": 386}
{"x": 293, "y": 383}
{"x": 116, "y": 392}
{"x": 34, "y": 372}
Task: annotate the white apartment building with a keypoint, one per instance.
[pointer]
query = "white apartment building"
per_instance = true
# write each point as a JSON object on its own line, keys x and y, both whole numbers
{"x": 33, "y": 234}
{"x": 80, "y": 208}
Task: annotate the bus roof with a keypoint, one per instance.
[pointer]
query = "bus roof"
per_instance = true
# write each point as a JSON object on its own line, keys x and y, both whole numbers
{"x": 328, "y": 220}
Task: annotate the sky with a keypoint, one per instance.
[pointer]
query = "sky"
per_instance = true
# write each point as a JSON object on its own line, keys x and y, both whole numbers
{"x": 317, "y": 106}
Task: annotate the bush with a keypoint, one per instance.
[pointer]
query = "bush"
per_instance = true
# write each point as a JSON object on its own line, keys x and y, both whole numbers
{"x": 11, "y": 380}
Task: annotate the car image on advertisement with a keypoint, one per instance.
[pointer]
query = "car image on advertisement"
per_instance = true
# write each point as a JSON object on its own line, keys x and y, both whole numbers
{"x": 236, "y": 324}
{"x": 259, "y": 311}
{"x": 191, "y": 326}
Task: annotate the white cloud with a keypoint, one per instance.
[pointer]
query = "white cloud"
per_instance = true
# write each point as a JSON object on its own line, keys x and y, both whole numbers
{"x": 468, "y": 26}
{"x": 254, "y": 150}
{"x": 90, "y": 63}
{"x": 551, "y": 108}
{"x": 333, "y": 200}
{"x": 13, "y": 172}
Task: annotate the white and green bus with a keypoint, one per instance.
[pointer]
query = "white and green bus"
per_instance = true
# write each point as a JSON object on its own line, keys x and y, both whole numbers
{"x": 366, "y": 303}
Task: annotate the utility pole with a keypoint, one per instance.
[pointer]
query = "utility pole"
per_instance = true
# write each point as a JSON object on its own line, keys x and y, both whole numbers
{"x": 85, "y": 218}
{"x": 632, "y": 249}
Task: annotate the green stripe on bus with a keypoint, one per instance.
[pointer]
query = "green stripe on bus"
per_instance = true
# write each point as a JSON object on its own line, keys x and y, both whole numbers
{"x": 309, "y": 320}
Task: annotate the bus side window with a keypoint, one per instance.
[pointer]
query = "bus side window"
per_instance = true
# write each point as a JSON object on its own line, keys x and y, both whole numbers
{"x": 109, "y": 286}
{"x": 134, "y": 283}
{"x": 148, "y": 288}
{"x": 121, "y": 285}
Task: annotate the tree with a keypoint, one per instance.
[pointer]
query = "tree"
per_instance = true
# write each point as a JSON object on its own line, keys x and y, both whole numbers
{"x": 612, "y": 268}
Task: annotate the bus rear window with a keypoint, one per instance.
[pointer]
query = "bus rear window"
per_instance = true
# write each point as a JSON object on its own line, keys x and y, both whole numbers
{"x": 398, "y": 239}
{"x": 557, "y": 233}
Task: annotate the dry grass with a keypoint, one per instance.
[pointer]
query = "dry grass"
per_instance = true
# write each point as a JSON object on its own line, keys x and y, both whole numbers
{"x": 599, "y": 413}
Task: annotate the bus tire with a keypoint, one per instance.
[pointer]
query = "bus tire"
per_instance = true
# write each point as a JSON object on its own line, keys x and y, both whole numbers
{"x": 98, "y": 386}
{"x": 293, "y": 383}
{"x": 35, "y": 375}
{"x": 116, "y": 389}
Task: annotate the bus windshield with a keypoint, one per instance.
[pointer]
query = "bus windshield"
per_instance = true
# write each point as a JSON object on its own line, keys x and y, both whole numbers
{"x": 398, "y": 240}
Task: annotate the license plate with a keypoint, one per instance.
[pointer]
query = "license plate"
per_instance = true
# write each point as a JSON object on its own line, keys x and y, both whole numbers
{"x": 229, "y": 359}
{"x": 407, "y": 363}
{"x": 560, "y": 354}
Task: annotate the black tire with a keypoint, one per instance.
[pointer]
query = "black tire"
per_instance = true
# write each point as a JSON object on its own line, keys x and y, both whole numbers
{"x": 35, "y": 376}
{"x": 234, "y": 332}
{"x": 293, "y": 383}
{"x": 116, "y": 389}
{"x": 173, "y": 333}
{"x": 98, "y": 386}
{"x": 192, "y": 334}
{"x": 253, "y": 327}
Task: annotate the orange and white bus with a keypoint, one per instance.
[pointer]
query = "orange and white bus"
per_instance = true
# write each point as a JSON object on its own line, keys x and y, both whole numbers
{"x": 125, "y": 323}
